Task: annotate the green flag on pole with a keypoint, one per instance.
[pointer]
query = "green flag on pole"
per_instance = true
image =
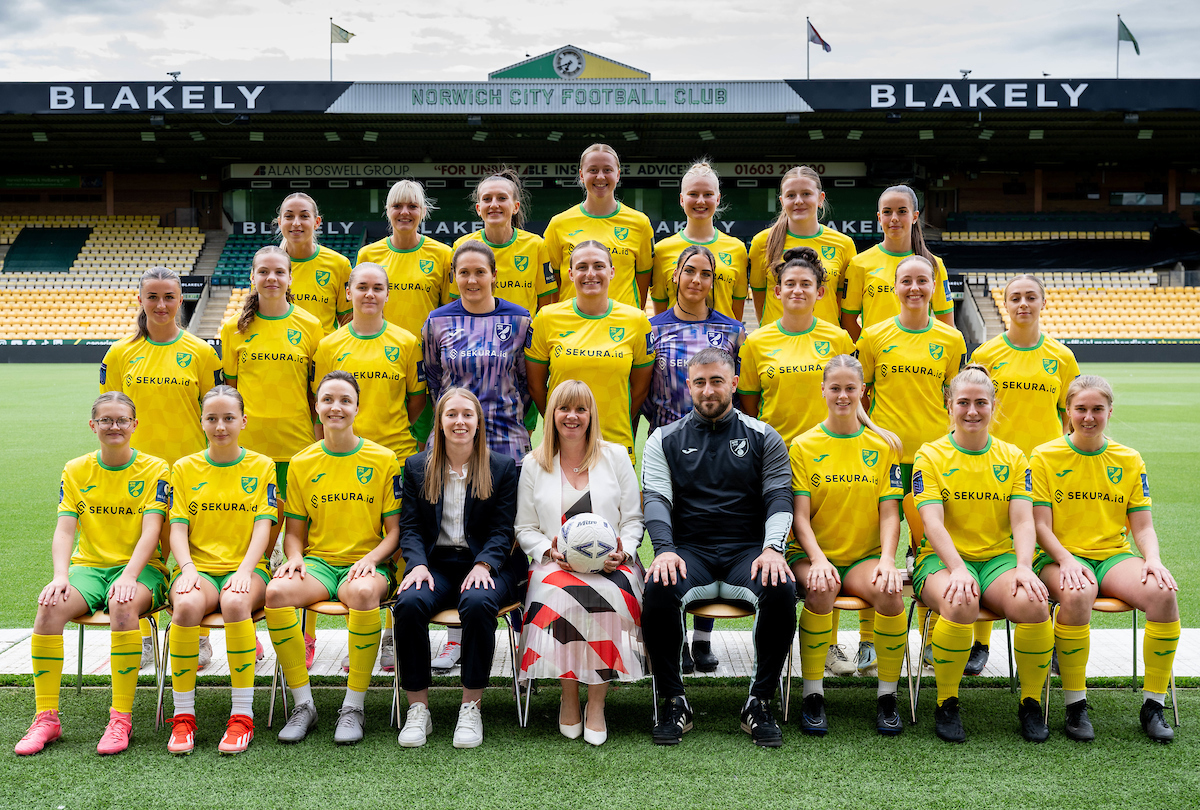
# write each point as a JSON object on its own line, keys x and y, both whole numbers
{"x": 340, "y": 35}
{"x": 1125, "y": 35}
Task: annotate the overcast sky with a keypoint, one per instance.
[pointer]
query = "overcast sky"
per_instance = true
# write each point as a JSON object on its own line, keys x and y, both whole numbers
{"x": 113, "y": 40}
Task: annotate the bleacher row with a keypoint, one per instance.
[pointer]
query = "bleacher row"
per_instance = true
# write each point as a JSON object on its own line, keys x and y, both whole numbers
{"x": 233, "y": 267}
{"x": 87, "y": 313}
{"x": 1039, "y": 236}
{"x": 1135, "y": 278}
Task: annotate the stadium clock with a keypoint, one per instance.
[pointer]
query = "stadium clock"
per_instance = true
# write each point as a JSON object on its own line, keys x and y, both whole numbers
{"x": 568, "y": 63}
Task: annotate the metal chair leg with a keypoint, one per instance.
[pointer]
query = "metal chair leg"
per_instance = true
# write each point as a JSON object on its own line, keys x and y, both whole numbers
{"x": 516, "y": 669}
{"x": 1174, "y": 702}
{"x": 79, "y": 676}
{"x": 1012, "y": 677}
{"x": 1134, "y": 682}
{"x": 160, "y": 662}
{"x": 921, "y": 661}
{"x": 786, "y": 691}
{"x": 908, "y": 662}
{"x": 159, "y": 715}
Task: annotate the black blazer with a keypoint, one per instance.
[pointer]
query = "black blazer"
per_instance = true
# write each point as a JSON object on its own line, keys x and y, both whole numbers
{"x": 488, "y": 524}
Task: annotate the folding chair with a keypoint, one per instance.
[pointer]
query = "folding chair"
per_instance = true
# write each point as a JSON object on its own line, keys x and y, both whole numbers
{"x": 101, "y": 619}
{"x": 450, "y": 618}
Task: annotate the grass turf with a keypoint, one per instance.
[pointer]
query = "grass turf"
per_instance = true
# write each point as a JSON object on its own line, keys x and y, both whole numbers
{"x": 535, "y": 767}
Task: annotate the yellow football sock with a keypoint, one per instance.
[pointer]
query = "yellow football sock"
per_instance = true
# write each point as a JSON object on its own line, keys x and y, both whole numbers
{"x": 185, "y": 650}
{"x": 125, "y": 658}
{"x": 1032, "y": 646}
{"x": 1074, "y": 644}
{"x": 387, "y": 619}
{"x": 284, "y": 626}
{"x": 816, "y": 629}
{"x": 144, "y": 627}
{"x": 239, "y": 643}
{"x": 205, "y": 632}
{"x": 951, "y": 649}
{"x": 1158, "y": 648}
{"x": 835, "y": 617}
{"x": 47, "y": 655}
{"x": 365, "y": 628}
{"x": 866, "y": 625}
{"x": 983, "y": 633}
{"x": 892, "y": 633}
{"x": 310, "y": 623}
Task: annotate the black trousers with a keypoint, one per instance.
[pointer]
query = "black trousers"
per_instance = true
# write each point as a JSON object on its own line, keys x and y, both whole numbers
{"x": 724, "y": 574}
{"x": 477, "y": 609}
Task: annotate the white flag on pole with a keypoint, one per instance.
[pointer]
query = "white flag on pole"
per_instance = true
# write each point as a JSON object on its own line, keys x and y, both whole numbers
{"x": 338, "y": 35}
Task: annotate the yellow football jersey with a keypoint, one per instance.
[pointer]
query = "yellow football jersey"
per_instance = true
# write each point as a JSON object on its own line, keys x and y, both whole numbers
{"x": 523, "y": 271}
{"x": 785, "y": 370}
{"x": 835, "y": 249}
{"x": 1031, "y": 388}
{"x": 601, "y": 351}
{"x": 220, "y": 503}
{"x": 344, "y": 497}
{"x": 1090, "y": 494}
{"x": 166, "y": 381}
{"x": 626, "y": 233}
{"x": 389, "y": 367}
{"x": 909, "y": 371}
{"x": 418, "y": 279}
{"x": 109, "y": 502}
{"x": 319, "y": 286}
{"x": 272, "y": 363}
{"x": 729, "y": 282}
{"x": 845, "y": 478}
{"x": 871, "y": 286}
{"x": 974, "y": 488}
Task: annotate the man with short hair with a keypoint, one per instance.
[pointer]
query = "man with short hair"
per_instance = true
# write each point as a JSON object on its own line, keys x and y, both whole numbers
{"x": 717, "y": 486}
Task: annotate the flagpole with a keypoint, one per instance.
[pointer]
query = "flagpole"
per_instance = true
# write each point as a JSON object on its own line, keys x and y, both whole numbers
{"x": 331, "y": 49}
{"x": 1118, "y": 46}
{"x": 807, "y": 48}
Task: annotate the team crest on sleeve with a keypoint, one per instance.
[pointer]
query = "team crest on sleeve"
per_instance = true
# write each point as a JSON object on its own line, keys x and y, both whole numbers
{"x": 426, "y": 266}
{"x": 739, "y": 447}
{"x": 183, "y": 359}
{"x": 822, "y": 347}
{"x": 895, "y": 478}
{"x": 294, "y": 337}
{"x": 935, "y": 351}
{"x": 616, "y": 333}
{"x": 249, "y": 484}
{"x": 1115, "y": 474}
{"x": 726, "y": 259}
{"x": 364, "y": 474}
{"x": 103, "y": 372}
{"x": 61, "y": 489}
{"x": 271, "y": 499}
{"x": 1145, "y": 486}
{"x": 521, "y": 263}
{"x": 621, "y": 233}
{"x": 716, "y": 339}
{"x": 1029, "y": 480}
{"x": 322, "y": 277}
{"x": 529, "y": 336}
{"x": 1001, "y": 472}
{"x": 392, "y": 353}
{"x": 162, "y": 492}
{"x": 398, "y": 486}
{"x": 918, "y": 482}
{"x": 136, "y": 487}
{"x": 420, "y": 371}
{"x": 503, "y": 330}
{"x": 869, "y": 457}
{"x": 828, "y": 251}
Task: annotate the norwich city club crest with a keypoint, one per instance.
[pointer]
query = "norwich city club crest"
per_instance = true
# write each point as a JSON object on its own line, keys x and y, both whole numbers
{"x": 522, "y": 263}
{"x": 136, "y": 487}
{"x": 828, "y": 251}
{"x": 183, "y": 359}
{"x": 294, "y": 337}
{"x": 503, "y": 331}
{"x": 1001, "y": 472}
{"x": 726, "y": 259}
{"x": 621, "y": 233}
{"x": 364, "y": 474}
{"x": 616, "y": 333}
{"x": 322, "y": 277}
{"x": 739, "y": 447}
{"x": 822, "y": 347}
{"x": 870, "y": 457}
{"x": 1051, "y": 366}
{"x": 249, "y": 485}
{"x": 1114, "y": 474}
{"x": 935, "y": 351}
{"x": 426, "y": 266}
{"x": 392, "y": 352}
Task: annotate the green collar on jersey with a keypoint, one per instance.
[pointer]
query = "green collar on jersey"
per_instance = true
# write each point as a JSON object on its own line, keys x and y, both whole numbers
{"x": 885, "y": 251}
{"x": 811, "y": 327}
{"x": 329, "y": 452}
{"x": 716, "y": 236}
{"x": 820, "y": 230}
{"x": 1038, "y": 345}
{"x": 394, "y": 249}
{"x": 971, "y": 452}
{"x": 174, "y": 340}
{"x": 575, "y": 306}
{"x": 282, "y": 317}
{"x": 901, "y": 327}
{"x": 350, "y": 326}
{"x": 491, "y": 244}
{"x": 316, "y": 253}
{"x": 583, "y": 211}
{"x": 833, "y": 435}
{"x": 1085, "y": 452}
{"x": 124, "y": 466}
{"x": 233, "y": 463}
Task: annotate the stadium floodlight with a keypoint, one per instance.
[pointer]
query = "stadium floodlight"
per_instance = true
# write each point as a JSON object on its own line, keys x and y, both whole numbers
{"x": 40, "y": 137}
{"x": 630, "y": 135}
{"x": 816, "y": 135}
{"x": 370, "y": 136}
{"x": 332, "y": 136}
{"x": 197, "y": 135}
{"x": 257, "y": 136}
{"x": 1037, "y": 134}
{"x": 479, "y": 136}
{"x": 925, "y": 134}
{"x": 854, "y": 135}
{"x": 1145, "y": 134}
{"x": 554, "y": 135}
{"x": 986, "y": 135}
{"x": 707, "y": 135}
{"x": 148, "y": 136}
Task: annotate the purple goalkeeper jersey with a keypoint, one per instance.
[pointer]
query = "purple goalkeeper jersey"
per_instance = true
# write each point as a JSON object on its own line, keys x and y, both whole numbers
{"x": 486, "y": 355}
{"x": 674, "y": 342}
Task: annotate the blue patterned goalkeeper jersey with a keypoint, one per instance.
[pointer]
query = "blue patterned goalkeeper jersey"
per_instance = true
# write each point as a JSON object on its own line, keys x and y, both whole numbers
{"x": 486, "y": 355}
{"x": 674, "y": 342}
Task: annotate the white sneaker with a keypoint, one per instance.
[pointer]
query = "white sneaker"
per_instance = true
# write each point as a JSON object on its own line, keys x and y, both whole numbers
{"x": 387, "y": 651}
{"x": 448, "y": 657}
{"x": 418, "y": 725}
{"x": 147, "y": 652}
{"x": 469, "y": 731}
{"x": 836, "y": 662}
{"x": 205, "y": 653}
{"x": 866, "y": 661}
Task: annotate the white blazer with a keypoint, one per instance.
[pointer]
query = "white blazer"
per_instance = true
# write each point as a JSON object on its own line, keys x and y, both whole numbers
{"x": 616, "y": 497}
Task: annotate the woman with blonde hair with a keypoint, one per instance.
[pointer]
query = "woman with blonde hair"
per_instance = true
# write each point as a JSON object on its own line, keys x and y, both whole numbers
{"x": 570, "y": 615}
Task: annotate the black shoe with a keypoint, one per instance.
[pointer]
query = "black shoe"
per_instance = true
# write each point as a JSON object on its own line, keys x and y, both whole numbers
{"x": 978, "y": 659}
{"x": 674, "y": 720}
{"x": 688, "y": 666}
{"x": 812, "y": 715}
{"x": 760, "y": 724}
{"x": 1154, "y": 724}
{"x": 703, "y": 655}
{"x": 948, "y": 722}
{"x": 1054, "y": 662}
{"x": 1079, "y": 726}
{"x": 887, "y": 717}
{"x": 1033, "y": 724}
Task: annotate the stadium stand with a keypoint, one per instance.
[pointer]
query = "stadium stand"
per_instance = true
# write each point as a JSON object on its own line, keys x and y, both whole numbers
{"x": 984, "y": 227}
{"x": 234, "y": 265}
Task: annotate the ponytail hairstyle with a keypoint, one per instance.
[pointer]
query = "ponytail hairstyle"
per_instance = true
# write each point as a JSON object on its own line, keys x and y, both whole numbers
{"x": 520, "y": 196}
{"x": 689, "y": 252}
{"x": 279, "y": 215}
{"x": 702, "y": 168}
{"x": 852, "y": 363}
{"x": 777, "y": 236}
{"x": 479, "y": 470}
{"x": 117, "y": 397}
{"x": 408, "y": 191}
{"x": 1087, "y": 382}
{"x": 803, "y": 257}
{"x": 341, "y": 376}
{"x": 971, "y": 374}
{"x": 598, "y": 147}
{"x": 154, "y": 274}
{"x": 917, "y": 235}
{"x": 250, "y": 302}
{"x": 224, "y": 391}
